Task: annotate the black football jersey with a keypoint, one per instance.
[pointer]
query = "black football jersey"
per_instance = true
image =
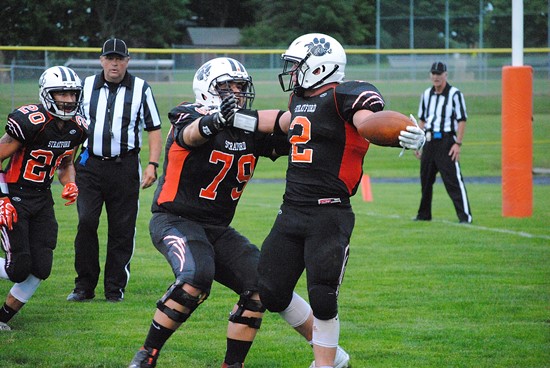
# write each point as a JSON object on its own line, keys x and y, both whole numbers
{"x": 44, "y": 144}
{"x": 326, "y": 160}
{"x": 205, "y": 183}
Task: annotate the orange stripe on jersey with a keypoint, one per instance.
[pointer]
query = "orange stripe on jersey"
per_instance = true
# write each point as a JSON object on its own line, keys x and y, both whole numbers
{"x": 351, "y": 167}
{"x": 176, "y": 161}
{"x": 16, "y": 165}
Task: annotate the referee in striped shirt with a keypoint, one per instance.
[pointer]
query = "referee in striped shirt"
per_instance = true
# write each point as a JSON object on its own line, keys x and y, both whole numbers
{"x": 442, "y": 115}
{"x": 118, "y": 107}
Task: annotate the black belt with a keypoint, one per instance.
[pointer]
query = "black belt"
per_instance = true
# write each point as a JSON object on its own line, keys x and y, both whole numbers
{"x": 134, "y": 151}
{"x": 321, "y": 201}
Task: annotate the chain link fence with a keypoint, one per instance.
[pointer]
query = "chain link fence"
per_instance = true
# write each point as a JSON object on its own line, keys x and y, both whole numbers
{"x": 477, "y": 71}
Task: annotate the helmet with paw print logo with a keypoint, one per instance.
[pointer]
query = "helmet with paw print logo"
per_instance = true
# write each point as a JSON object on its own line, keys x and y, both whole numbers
{"x": 311, "y": 61}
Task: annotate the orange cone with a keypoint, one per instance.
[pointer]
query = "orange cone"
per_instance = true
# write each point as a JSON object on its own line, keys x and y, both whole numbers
{"x": 365, "y": 188}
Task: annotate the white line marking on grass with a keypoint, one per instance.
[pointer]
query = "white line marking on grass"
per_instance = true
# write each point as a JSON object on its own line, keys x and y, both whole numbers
{"x": 484, "y": 228}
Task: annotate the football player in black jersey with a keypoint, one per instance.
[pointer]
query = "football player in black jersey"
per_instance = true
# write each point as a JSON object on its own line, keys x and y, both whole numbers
{"x": 40, "y": 139}
{"x": 207, "y": 166}
{"x": 315, "y": 222}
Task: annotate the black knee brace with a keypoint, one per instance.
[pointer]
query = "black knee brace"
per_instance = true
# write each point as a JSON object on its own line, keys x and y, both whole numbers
{"x": 182, "y": 297}
{"x": 324, "y": 301}
{"x": 245, "y": 303}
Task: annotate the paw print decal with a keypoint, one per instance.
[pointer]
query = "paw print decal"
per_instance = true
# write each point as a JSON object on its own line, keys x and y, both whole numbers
{"x": 204, "y": 72}
{"x": 319, "y": 47}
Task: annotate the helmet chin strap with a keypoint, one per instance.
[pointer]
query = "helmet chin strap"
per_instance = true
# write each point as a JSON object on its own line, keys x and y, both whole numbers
{"x": 336, "y": 67}
{"x": 299, "y": 91}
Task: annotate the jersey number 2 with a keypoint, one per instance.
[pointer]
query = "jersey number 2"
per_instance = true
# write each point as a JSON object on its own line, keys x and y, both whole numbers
{"x": 300, "y": 154}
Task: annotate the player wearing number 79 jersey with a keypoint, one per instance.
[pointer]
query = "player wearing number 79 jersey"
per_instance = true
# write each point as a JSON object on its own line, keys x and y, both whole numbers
{"x": 205, "y": 183}
{"x": 40, "y": 139}
{"x": 207, "y": 166}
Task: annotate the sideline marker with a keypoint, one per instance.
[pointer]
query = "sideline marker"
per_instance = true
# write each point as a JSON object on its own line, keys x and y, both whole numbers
{"x": 365, "y": 188}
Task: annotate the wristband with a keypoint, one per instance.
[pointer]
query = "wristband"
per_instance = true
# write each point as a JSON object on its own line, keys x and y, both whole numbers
{"x": 3, "y": 185}
{"x": 246, "y": 120}
{"x": 155, "y": 164}
{"x": 208, "y": 125}
{"x": 459, "y": 144}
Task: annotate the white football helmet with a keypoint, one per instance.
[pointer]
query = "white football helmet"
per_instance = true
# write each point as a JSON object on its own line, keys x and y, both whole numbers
{"x": 211, "y": 83}
{"x": 56, "y": 79}
{"x": 312, "y": 60}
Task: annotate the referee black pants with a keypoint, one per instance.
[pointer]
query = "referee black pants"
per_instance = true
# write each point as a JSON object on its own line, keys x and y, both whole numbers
{"x": 435, "y": 158}
{"x": 116, "y": 184}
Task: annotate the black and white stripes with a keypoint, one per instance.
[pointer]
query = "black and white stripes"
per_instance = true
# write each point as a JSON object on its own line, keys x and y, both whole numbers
{"x": 116, "y": 117}
{"x": 442, "y": 112}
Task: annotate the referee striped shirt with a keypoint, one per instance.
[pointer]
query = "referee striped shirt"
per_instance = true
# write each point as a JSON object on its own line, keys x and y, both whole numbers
{"x": 118, "y": 115}
{"x": 442, "y": 112}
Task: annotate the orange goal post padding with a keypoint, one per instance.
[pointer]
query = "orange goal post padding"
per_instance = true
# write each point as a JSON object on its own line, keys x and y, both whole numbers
{"x": 517, "y": 141}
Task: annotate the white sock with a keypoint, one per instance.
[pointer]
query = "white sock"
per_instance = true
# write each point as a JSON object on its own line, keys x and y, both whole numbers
{"x": 326, "y": 332}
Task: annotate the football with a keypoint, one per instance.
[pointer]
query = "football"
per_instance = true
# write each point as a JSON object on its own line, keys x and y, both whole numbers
{"x": 382, "y": 128}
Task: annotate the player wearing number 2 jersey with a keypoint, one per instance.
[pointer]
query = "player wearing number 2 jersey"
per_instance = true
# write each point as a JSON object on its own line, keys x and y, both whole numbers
{"x": 207, "y": 166}
{"x": 40, "y": 139}
{"x": 314, "y": 225}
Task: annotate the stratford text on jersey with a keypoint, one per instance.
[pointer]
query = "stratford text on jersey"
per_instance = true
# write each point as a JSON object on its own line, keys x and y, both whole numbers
{"x": 235, "y": 146}
{"x": 305, "y": 108}
{"x": 59, "y": 144}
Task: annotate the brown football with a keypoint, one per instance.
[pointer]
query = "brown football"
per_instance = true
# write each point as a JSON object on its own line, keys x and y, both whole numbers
{"x": 382, "y": 128}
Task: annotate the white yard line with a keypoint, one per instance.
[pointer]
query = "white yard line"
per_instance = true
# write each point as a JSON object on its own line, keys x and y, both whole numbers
{"x": 522, "y": 234}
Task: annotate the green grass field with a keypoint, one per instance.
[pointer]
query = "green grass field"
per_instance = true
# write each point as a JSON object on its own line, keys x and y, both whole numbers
{"x": 435, "y": 294}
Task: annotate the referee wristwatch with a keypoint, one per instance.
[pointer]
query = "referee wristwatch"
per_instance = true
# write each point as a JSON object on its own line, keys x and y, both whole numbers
{"x": 155, "y": 164}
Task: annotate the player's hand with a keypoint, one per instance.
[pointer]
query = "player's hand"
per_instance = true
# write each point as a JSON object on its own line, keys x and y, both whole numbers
{"x": 8, "y": 214}
{"x": 70, "y": 192}
{"x": 412, "y": 138}
{"x": 228, "y": 108}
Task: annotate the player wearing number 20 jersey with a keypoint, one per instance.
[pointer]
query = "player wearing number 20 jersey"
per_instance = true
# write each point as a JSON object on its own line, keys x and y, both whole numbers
{"x": 40, "y": 140}
{"x": 45, "y": 145}
{"x": 205, "y": 183}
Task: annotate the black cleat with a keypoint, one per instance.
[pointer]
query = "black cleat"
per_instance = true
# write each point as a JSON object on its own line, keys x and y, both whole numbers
{"x": 145, "y": 358}
{"x": 80, "y": 296}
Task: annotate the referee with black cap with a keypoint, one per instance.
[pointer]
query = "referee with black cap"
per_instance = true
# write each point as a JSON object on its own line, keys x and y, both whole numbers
{"x": 442, "y": 115}
{"x": 118, "y": 107}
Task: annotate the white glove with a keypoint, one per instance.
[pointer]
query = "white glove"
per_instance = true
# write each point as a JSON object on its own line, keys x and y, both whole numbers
{"x": 413, "y": 138}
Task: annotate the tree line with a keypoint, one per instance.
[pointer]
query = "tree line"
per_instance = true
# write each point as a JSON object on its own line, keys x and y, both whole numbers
{"x": 163, "y": 23}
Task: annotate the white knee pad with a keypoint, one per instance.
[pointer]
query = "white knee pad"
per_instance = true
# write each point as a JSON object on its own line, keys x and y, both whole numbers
{"x": 297, "y": 312}
{"x": 326, "y": 332}
{"x": 23, "y": 291}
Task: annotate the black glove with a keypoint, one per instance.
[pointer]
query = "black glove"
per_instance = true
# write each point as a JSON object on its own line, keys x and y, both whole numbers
{"x": 210, "y": 125}
{"x": 228, "y": 108}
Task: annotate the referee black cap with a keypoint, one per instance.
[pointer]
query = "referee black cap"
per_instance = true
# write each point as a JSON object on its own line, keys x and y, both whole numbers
{"x": 115, "y": 46}
{"x": 438, "y": 67}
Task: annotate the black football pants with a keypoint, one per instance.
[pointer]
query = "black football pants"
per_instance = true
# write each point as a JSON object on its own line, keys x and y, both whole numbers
{"x": 116, "y": 184}
{"x": 435, "y": 158}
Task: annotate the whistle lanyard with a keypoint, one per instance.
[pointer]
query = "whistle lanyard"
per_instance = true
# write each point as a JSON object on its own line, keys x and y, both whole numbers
{"x": 111, "y": 98}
